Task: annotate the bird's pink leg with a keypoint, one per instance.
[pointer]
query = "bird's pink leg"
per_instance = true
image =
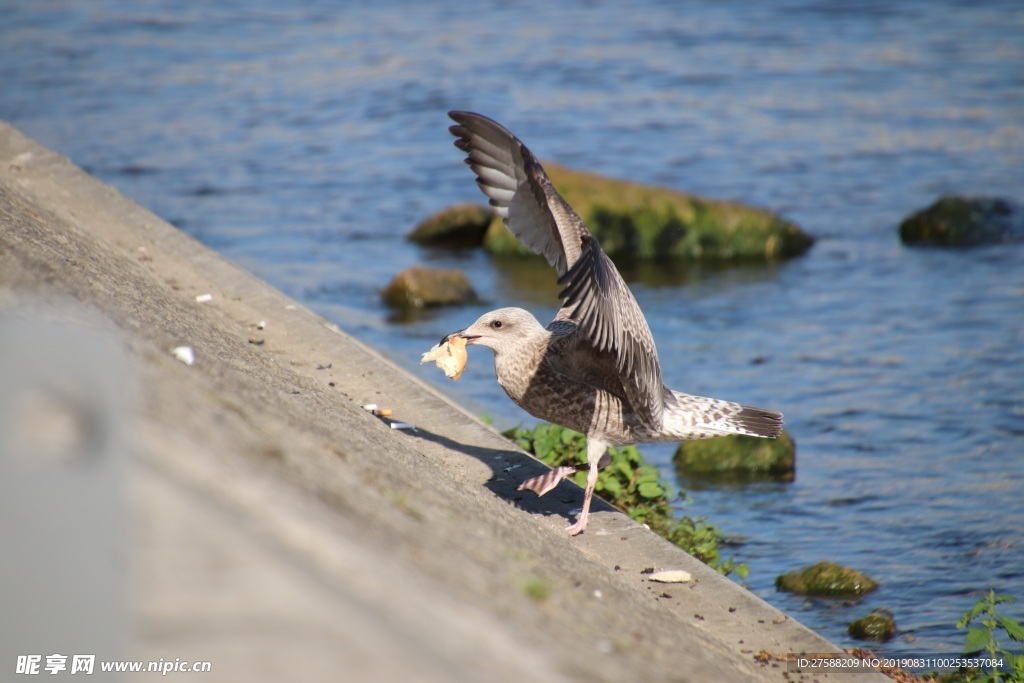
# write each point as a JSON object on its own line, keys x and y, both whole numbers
{"x": 596, "y": 452}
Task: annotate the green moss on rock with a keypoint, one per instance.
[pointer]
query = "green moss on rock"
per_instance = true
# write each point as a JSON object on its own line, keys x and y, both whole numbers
{"x": 738, "y": 455}
{"x": 419, "y": 287}
{"x": 963, "y": 221}
{"x": 461, "y": 225}
{"x": 826, "y": 579}
{"x": 643, "y": 222}
{"x": 879, "y": 626}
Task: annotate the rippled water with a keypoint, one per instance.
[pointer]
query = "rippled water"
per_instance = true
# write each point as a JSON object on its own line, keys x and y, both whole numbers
{"x": 304, "y": 142}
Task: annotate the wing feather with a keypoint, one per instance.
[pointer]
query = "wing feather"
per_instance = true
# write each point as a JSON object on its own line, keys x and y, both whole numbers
{"x": 607, "y": 314}
{"x": 596, "y": 299}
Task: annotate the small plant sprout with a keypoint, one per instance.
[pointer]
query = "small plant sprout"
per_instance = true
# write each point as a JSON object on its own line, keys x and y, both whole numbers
{"x": 983, "y": 624}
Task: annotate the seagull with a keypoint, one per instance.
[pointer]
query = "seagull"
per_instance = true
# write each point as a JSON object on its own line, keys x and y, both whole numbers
{"x": 594, "y": 368}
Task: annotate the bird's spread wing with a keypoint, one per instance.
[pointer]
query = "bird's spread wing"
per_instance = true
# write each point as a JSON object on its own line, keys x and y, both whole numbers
{"x": 595, "y": 297}
{"x": 519, "y": 190}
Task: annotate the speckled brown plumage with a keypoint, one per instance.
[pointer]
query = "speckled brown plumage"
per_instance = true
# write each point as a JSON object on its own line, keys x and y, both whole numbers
{"x": 595, "y": 367}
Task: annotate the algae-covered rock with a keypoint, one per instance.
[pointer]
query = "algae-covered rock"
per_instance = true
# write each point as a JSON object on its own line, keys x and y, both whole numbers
{"x": 461, "y": 225}
{"x": 418, "y": 287}
{"x": 643, "y": 222}
{"x": 826, "y": 579}
{"x": 879, "y": 625}
{"x": 964, "y": 221}
{"x": 738, "y": 455}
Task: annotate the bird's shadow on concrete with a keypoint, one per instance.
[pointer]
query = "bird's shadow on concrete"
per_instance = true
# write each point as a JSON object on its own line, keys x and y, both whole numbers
{"x": 511, "y": 467}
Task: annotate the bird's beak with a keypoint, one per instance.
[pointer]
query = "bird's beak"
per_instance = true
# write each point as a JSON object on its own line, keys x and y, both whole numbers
{"x": 470, "y": 338}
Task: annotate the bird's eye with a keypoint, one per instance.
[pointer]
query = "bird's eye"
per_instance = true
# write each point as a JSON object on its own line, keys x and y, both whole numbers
{"x": 495, "y": 324}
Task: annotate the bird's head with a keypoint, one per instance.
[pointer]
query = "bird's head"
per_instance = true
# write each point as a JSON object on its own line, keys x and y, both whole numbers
{"x": 502, "y": 330}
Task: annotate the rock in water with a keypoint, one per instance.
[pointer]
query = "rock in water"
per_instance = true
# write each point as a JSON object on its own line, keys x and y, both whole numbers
{"x": 955, "y": 221}
{"x": 878, "y": 626}
{"x": 638, "y": 222}
{"x": 419, "y": 287}
{"x": 738, "y": 456}
{"x": 828, "y": 580}
{"x": 462, "y": 225}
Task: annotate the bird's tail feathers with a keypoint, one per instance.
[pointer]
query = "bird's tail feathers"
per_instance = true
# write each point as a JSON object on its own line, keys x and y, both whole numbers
{"x": 696, "y": 417}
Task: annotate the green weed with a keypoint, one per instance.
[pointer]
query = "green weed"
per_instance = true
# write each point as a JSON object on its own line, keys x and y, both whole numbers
{"x": 983, "y": 623}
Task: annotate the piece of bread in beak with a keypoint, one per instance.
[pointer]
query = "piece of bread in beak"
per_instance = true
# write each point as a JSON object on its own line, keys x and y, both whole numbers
{"x": 450, "y": 356}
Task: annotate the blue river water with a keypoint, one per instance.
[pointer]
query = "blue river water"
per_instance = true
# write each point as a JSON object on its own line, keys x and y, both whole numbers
{"x": 304, "y": 141}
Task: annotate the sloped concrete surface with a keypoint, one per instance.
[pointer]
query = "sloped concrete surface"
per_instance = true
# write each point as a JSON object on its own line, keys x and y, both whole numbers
{"x": 279, "y": 531}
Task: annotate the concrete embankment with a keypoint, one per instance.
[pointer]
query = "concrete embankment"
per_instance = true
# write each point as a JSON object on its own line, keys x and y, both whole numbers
{"x": 274, "y": 528}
